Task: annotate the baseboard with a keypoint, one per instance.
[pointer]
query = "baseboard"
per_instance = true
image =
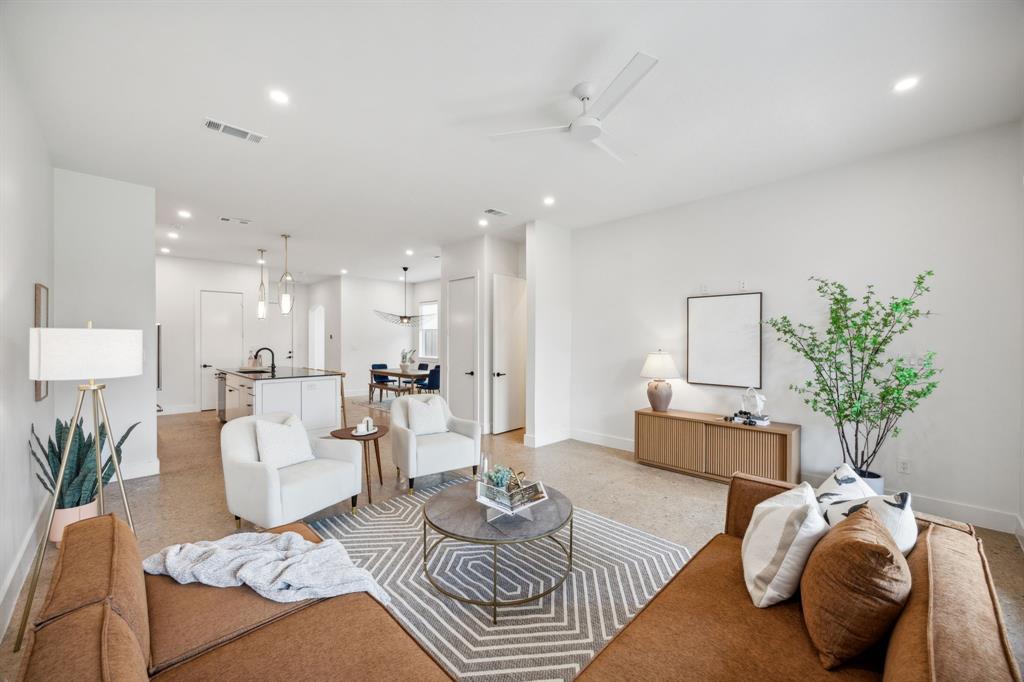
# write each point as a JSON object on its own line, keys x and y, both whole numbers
{"x": 529, "y": 441}
{"x": 349, "y": 395}
{"x": 15, "y": 578}
{"x": 140, "y": 469}
{"x": 608, "y": 441}
{"x": 1019, "y": 532}
{"x": 178, "y": 409}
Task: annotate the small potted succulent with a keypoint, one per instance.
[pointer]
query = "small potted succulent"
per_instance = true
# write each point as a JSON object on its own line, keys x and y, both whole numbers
{"x": 77, "y": 498}
{"x": 408, "y": 360}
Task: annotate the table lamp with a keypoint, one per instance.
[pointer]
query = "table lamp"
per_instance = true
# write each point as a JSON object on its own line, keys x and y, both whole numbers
{"x": 658, "y": 367}
{"x": 79, "y": 355}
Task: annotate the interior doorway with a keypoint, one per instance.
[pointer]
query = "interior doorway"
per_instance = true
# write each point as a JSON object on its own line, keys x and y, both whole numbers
{"x": 508, "y": 354}
{"x": 461, "y": 362}
{"x": 316, "y": 338}
{"x": 221, "y": 340}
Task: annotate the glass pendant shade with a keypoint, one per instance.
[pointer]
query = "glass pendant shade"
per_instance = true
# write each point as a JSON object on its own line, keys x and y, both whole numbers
{"x": 261, "y": 293}
{"x": 286, "y": 285}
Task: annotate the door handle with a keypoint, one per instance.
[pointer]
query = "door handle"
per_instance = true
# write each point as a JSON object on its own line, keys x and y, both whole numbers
{"x": 205, "y": 366}
{"x": 499, "y": 374}
{"x": 470, "y": 373}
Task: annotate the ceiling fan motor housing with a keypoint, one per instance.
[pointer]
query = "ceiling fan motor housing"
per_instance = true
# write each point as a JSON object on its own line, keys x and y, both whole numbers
{"x": 585, "y": 128}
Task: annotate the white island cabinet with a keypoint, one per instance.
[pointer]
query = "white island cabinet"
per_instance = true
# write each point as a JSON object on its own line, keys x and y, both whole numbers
{"x": 313, "y": 395}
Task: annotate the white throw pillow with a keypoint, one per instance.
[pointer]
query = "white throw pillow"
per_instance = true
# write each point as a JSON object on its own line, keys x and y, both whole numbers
{"x": 282, "y": 445}
{"x": 842, "y": 484}
{"x": 427, "y": 417}
{"x": 892, "y": 510}
{"x": 782, "y": 532}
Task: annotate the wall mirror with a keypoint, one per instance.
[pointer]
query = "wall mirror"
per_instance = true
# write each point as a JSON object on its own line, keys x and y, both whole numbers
{"x": 723, "y": 340}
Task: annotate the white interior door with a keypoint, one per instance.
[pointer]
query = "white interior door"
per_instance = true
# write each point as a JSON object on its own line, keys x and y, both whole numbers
{"x": 508, "y": 354}
{"x": 316, "y": 338}
{"x": 461, "y": 359}
{"x": 221, "y": 342}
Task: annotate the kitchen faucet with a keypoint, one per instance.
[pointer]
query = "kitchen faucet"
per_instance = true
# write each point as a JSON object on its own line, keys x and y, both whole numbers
{"x": 273, "y": 367}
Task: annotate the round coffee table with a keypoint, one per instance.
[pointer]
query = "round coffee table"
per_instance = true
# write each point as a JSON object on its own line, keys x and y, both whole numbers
{"x": 346, "y": 434}
{"x": 455, "y": 514}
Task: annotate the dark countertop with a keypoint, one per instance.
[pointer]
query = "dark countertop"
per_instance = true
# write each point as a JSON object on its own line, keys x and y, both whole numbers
{"x": 281, "y": 373}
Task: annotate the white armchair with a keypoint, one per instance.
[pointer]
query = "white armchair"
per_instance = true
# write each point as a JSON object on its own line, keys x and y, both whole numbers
{"x": 266, "y": 496}
{"x": 430, "y": 454}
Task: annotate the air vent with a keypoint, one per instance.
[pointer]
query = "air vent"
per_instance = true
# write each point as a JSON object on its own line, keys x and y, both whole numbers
{"x": 233, "y": 131}
{"x": 497, "y": 213}
{"x": 240, "y": 221}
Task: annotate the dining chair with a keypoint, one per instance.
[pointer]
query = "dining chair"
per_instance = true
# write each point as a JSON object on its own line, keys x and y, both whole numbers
{"x": 421, "y": 367}
{"x": 381, "y": 382}
{"x": 432, "y": 384}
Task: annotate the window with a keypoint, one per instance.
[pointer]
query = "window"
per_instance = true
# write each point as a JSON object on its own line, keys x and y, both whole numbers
{"x": 428, "y": 330}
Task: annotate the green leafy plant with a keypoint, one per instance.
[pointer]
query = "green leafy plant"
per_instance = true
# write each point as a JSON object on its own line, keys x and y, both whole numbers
{"x": 856, "y": 384}
{"x": 80, "y": 474}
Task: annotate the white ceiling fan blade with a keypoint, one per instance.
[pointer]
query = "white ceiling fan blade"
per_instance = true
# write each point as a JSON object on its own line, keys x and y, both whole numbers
{"x": 603, "y": 146}
{"x": 638, "y": 67}
{"x": 530, "y": 131}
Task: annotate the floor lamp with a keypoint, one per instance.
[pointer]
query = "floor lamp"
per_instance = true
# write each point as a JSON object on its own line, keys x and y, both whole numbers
{"x": 79, "y": 355}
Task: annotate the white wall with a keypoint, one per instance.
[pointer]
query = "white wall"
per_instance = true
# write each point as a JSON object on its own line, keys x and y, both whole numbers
{"x": 104, "y": 272}
{"x": 365, "y": 337}
{"x": 423, "y": 292}
{"x": 26, "y": 257}
{"x": 954, "y": 206}
{"x": 549, "y": 347}
{"x": 178, "y": 283}
{"x": 328, "y": 294}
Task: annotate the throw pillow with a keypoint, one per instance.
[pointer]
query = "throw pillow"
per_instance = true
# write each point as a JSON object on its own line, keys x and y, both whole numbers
{"x": 853, "y": 589}
{"x": 427, "y": 417}
{"x": 281, "y": 445}
{"x": 782, "y": 532}
{"x": 892, "y": 510}
{"x": 843, "y": 484}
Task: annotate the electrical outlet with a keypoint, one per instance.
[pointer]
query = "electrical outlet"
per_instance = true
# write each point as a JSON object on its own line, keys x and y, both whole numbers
{"x": 902, "y": 466}
{"x": 703, "y": 288}
{"x": 743, "y": 285}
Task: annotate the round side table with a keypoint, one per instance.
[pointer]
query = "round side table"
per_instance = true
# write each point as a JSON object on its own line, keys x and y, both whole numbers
{"x": 346, "y": 434}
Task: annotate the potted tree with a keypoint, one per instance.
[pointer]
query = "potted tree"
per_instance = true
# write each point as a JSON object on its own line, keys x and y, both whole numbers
{"x": 77, "y": 498}
{"x": 862, "y": 389}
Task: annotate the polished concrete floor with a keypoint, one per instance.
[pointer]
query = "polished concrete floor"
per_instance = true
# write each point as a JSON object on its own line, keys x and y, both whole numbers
{"x": 186, "y": 501}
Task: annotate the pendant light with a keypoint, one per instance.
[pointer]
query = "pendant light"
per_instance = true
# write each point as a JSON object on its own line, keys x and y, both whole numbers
{"x": 405, "y": 319}
{"x": 261, "y": 293}
{"x": 286, "y": 285}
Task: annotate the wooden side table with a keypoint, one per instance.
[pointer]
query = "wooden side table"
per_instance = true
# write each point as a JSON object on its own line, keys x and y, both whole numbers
{"x": 346, "y": 434}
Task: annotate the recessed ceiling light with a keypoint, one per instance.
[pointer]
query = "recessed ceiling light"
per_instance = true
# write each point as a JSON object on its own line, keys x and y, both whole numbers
{"x": 279, "y": 96}
{"x": 173, "y": 235}
{"x": 906, "y": 84}
{"x": 482, "y": 222}
{"x": 408, "y": 252}
{"x": 261, "y": 261}
{"x": 549, "y": 201}
{"x": 184, "y": 214}
{"x": 164, "y": 249}
{"x": 344, "y": 271}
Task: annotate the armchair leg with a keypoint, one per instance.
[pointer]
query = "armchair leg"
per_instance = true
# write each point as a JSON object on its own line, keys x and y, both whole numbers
{"x": 354, "y": 499}
{"x": 412, "y": 482}
{"x": 238, "y": 522}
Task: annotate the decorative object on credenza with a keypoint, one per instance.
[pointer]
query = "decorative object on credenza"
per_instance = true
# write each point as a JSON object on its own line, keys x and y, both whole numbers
{"x": 77, "y": 498}
{"x": 659, "y": 367}
{"x": 78, "y": 355}
{"x": 408, "y": 362}
{"x": 723, "y": 340}
{"x": 751, "y": 412}
{"x": 862, "y": 389}
{"x": 42, "y": 319}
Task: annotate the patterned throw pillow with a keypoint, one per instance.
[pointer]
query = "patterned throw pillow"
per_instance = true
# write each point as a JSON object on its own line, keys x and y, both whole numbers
{"x": 782, "y": 532}
{"x": 842, "y": 484}
{"x": 893, "y": 511}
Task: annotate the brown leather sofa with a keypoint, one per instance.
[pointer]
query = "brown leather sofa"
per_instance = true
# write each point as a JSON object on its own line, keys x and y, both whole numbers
{"x": 105, "y": 619}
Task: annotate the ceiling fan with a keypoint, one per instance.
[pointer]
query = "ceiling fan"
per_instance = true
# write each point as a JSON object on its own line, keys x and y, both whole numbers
{"x": 589, "y": 125}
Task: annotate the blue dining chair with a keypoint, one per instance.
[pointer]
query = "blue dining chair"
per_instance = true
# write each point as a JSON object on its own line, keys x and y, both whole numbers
{"x": 422, "y": 366}
{"x": 433, "y": 381}
{"x": 380, "y": 381}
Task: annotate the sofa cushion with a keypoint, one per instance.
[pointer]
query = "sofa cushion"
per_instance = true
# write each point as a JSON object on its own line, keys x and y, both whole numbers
{"x": 180, "y": 615}
{"x": 703, "y": 626}
{"x": 89, "y": 643}
{"x": 281, "y": 445}
{"x": 99, "y": 560}
{"x": 854, "y": 587}
{"x": 427, "y": 416}
{"x": 310, "y": 486}
{"x": 349, "y": 637}
{"x": 442, "y": 452}
{"x": 951, "y": 627}
{"x": 842, "y": 484}
{"x": 892, "y": 510}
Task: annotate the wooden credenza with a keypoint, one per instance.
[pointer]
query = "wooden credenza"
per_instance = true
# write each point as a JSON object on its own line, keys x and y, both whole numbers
{"x": 705, "y": 445}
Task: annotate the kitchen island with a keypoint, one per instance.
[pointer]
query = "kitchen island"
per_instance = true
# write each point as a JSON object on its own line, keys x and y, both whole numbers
{"x": 313, "y": 395}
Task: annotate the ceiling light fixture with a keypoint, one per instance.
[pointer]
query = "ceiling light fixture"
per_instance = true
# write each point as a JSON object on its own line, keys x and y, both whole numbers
{"x": 906, "y": 84}
{"x": 408, "y": 252}
{"x": 286, "y": 285}
{"x": 482, "y": 222}
{"x": 344, "y": 271}
{"x": 164, "y": 249}
{"x": 173, "y": 234}
{"x": 261, "y": 291}
{"x": 279, "y": 96}
{"x": 184, "y": 214}
{"x": 549, "y": 201}
{"x": 405, "y": 319}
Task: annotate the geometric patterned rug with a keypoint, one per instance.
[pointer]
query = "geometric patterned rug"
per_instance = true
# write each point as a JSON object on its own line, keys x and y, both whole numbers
{"x": 616, "y": 571}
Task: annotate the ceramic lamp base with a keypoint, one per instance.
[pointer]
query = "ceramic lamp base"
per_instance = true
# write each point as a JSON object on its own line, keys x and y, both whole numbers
{"x": 659, "y": 393}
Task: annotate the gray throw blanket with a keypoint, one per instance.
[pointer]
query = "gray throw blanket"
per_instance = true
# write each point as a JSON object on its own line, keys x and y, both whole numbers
{"x": 283, "y": 567}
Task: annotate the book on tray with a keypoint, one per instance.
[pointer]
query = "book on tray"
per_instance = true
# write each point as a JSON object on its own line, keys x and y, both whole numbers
{"x": 510, "y": 502}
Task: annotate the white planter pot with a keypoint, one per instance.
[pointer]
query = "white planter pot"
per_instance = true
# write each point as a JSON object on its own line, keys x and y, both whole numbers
{"x": 875, "y": 481}
{"x": 63, "y": 518}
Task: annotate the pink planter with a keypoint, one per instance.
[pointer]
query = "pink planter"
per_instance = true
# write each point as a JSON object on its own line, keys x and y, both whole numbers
{"x": 65, "y": 517}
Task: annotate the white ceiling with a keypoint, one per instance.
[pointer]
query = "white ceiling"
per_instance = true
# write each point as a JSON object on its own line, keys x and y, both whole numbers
{"x": 384, "y": 146}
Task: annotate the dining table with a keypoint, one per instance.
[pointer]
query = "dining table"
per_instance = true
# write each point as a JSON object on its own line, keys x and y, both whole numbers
{"x": 400, "y": 374}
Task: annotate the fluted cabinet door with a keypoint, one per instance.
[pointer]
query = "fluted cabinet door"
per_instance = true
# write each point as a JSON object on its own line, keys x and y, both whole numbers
{"x": 670, "y": 443}
{"x": 751, "y": 452}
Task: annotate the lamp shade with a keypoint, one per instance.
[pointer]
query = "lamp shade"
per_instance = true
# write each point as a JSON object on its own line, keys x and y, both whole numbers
{"x": 659, "y": 365}
{"x": 77, "y": 354}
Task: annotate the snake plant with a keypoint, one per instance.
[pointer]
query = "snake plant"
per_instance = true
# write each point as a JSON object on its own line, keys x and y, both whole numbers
{"x": 80, "y": 475}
